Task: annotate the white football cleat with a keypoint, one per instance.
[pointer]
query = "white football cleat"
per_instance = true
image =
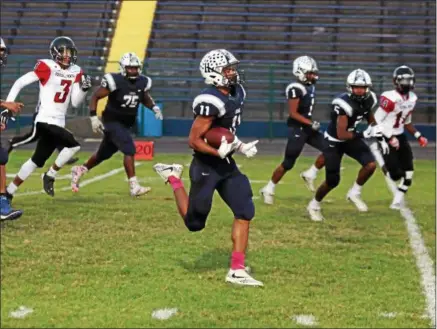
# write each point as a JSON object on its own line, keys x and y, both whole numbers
{"x": 355, "y": 198}
{"x": 267, "y": 195}
{"x": 309, "y": 181}
{"x": 167, "y": 170}
{"x": 315, "y": 213}
{"x": 241, "y": 277}
{"x": 76, "y": 173}
{"x": 138, "y": 190}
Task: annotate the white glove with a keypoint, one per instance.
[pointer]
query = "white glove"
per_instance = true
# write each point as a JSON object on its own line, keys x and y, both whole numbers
{"x": 315, "y": 126}
{"x": 372, "y": 131}
{"x": 248, "y": 149}
{"x": 225, "y": 148}
{"x": 158, "y": 113}
{"x": 97, "y": 125}
{"x": 394, "y": 142}
{"x": 385, "y": 149}
{"x": 85, "y": 82}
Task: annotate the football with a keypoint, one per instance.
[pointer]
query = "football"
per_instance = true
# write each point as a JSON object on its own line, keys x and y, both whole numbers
{"x": 214, "y": 136}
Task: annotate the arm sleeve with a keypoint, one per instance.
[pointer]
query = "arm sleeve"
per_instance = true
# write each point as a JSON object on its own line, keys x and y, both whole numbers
{"x": 77, "y": 95}
{"x": 208, "y": 105}
{"x": 79, "y": 77}
{"x": 20, "y": 83}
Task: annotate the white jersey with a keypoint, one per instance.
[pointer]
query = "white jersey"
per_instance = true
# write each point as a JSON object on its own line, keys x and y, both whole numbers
{"x": 395, "y": 111}
{"x": 57, "y": 89}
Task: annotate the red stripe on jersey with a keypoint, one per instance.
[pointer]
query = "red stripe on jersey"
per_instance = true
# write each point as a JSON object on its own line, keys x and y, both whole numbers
{"x": 42, "y": 70}
{"x": 386, "y": 104}
{"x": 79, "y": 76}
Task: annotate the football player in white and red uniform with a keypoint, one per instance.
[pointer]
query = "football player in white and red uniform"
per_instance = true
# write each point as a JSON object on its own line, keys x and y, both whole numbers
{"x": 394, "y": 114}
{"x": 61, "y": 82}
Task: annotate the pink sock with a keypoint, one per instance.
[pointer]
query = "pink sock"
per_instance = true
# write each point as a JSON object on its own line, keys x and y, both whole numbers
{"x": 237, "y": 260}
{"x": 175, "y": 182}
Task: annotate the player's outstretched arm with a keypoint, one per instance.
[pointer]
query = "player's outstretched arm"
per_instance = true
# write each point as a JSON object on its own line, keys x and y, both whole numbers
{"x": 423, "y": 141}
{"x": 150, "y": 103}
{"x": 20, "y": 83}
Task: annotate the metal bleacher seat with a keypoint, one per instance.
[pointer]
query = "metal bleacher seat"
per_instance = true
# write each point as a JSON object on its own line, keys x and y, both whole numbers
{"x": 29, "y": 26}
{"x": 267, "y": 35}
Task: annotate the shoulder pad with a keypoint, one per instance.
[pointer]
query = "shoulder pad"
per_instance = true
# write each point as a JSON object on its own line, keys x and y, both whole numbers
{"x": 216, "y": 102}
{"x": 340, "y": 102}
{"x": 296, "y": 85}
{"x": 108, "y": 82}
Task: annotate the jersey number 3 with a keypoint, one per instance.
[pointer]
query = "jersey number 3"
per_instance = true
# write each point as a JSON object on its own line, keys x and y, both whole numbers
{"x": 61, "y": 96}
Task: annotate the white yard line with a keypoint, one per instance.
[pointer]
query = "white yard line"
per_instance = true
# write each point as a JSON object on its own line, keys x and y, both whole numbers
{"x": 423, "y": 262}
{"x": 83, "y": 183}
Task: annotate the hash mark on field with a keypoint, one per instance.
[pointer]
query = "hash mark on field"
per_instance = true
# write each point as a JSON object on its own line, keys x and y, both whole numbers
{"x": 84, "y": 183}
{"x": 164, "y": 313}
{"x": 423, "y": 262}
{"x": 21, "y": 312}
{"x": 306, "y": 320}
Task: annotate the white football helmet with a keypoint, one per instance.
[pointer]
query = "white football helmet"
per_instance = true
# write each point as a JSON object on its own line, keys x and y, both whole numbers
{"x": 359, "y": 78}
{"x": 303, "y": 65}
{"x": 212, "y": 65}
{"x": 130, "y": 60}
{"x": 3, "y": 52}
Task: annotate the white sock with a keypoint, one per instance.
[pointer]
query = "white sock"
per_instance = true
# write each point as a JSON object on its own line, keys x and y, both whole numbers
{"x": 26, "y": 169}
{"x": 12, "y": 188}
{"x": 356, "y": 188}
{"x": 312, "y": 172}
{"x": 65, "y": 155}
{"x": 270, "y": 186}
{"x": 51, "y": 172}
{"x": 314, "y": 204}
{"x": 133, "y": 181}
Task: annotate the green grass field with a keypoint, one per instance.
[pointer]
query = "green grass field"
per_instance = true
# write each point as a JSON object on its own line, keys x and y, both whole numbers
{"x": 102, "y": 259}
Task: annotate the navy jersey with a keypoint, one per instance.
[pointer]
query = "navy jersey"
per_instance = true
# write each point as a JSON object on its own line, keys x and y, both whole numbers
{"x": 124, "y": 98}
{"x": 355, "y": 112}
{"x": 306, "y": 95}
{"x": 226, "y": 109}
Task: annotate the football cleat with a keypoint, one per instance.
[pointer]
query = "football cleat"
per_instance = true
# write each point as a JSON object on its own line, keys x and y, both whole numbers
{"x": 315, "y": 213}
{"x": 355, "y": 198}
{"x": 138, "y": 190}
{"x": 267, "y": 195}
{"x": 48, "y": 183}
{"x": 167, "y": 170}
{"x": 6, "y": 212}
{"x": 76, "y": 174}
{"x": 241, "y": 277}
{"x": 309, "y": 181}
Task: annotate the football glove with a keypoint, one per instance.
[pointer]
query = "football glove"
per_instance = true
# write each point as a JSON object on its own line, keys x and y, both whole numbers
{"x": 394, "y": 142}
{"x": 96, "y": 124}
{"x": 372, "y": 131}
{"x": 225, "y": 148}
{"x": 158, "y": 113}
{"x": 248, "y": 149}
{"x": 385, "y": 149}
{"x": 315, "y": 125}
{"x": 422, "y": 141}
{"x": 85, "y": 82}
{"x": 5, "y": 115}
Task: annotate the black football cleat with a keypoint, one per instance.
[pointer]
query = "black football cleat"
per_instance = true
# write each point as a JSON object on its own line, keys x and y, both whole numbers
{"x": 48, "y": 183}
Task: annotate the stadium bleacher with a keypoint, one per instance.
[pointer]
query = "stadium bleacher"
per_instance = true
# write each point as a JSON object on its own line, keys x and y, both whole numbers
{"x": 267, "y": 35}
{"x": 29, "y": 27}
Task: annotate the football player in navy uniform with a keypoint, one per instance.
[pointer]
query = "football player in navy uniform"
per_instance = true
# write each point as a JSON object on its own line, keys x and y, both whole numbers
{"x": 301, "y": 128}
{"x": 125, "y": 91}
{"x": 7, "y": 109}
{"x": 348, "y": 110}
{"x": 219, "y": 105}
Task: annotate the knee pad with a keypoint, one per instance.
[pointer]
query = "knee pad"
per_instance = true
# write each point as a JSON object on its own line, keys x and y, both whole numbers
{"x": 128, "y": 148}
{"x": 288, "y": 163}
{"x": 396, "y": 174}
{"x": 195, "y": 222}
{"x": 247, "y": 212}
{"x": 332, "y": 179}
{"x": 3, "y": 156}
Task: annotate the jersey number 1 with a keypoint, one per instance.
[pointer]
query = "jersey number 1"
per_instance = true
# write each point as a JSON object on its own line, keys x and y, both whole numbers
{"x": 61, "y": 96}
{"x": 398, "y": 119}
